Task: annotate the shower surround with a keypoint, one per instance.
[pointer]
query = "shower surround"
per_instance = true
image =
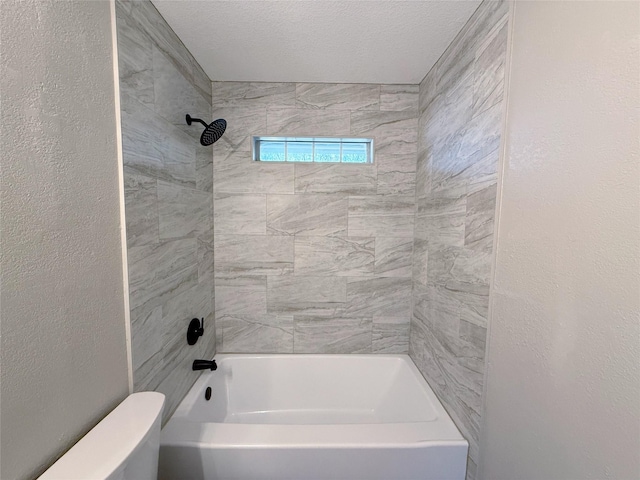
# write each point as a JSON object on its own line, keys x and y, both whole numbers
{"x": 314, "y": 258}
{"x": 461, "y": 105}
{"x": 393, "y": 257}
{"x": 168, "y": 201}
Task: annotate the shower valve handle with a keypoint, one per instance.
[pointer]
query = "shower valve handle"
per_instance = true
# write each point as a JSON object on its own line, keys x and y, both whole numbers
{"x": 195, "y": 331}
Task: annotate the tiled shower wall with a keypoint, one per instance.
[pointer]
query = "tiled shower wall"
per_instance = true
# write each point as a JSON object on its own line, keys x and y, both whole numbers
{"x": 314, "y": 258}
{"x": 459, "y": 137}
{"x": 168, "y": 200}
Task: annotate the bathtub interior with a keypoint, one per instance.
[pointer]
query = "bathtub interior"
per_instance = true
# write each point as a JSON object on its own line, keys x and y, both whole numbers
{"x": 310, "y": 390}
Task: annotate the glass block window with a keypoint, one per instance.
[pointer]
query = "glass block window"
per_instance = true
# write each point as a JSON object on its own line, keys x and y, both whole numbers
{"x": 316, "y": 149}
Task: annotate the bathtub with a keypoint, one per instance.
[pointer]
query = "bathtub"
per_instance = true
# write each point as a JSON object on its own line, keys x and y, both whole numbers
{"x": 314, "y": 417}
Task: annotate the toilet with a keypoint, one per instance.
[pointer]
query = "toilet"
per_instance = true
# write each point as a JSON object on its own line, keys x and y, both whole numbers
{"x": 123, "y": 446}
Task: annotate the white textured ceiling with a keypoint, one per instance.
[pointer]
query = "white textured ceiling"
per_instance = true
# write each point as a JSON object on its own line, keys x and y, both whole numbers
{"x": 347, "y": 41}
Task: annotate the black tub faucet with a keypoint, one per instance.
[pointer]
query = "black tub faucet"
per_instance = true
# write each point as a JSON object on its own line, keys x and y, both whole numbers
{"x": 204, "y": 365}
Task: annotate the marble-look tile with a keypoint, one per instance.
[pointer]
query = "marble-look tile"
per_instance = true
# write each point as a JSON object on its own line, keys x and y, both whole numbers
{"x": 307, "y": 214}
{"x": 232, "y": 94}
{"x": 390, "y": 335}
{"x": 483, "y": 173}
{"x": 178, "y": 311}
{"x": 300, "y": 295}
{"x": 183, "y": 212}
{"x": 163, "y": 36}
{"x": 332, "y": 335}
{"x": 242, "y": 123}
{"x": 396, "y": 174}
{"x": 473, "y": 299}
{"x": 423, "y": 173}
{"x": 488, "y": 86}
{"x": 256, "y": 333}
{"x": 307, "y": 122}
{"x": 420, "y": 261}
{"x": 336, "y": 178}
{"x": 201, "y": 80}
{"x": 381, "y": 216}
{"x": 393, "y": 257}
{"x": 338, "y": 96}
{"x": 148, "y": 375}
{"x": 428, "y": 90}
{"x": 240, "y": 213}
{"x": 479, "y": 220}
{"x": 482, "y": 135}
{"x": 248, "y": 298}
{"x": 205, "y": 254}
{"x": 334, "y": 256}
{"x": 158, "y": 272}
{"x": 378, "y": 298}
{"x": 399, "y": 98}
{"x": 445, "y": 215}
{"x": 153, "y": 147}
{"x": 175, "y": 96}
{"x": 204, "y": 169}
{"x": 141, "y": 205}
{"x": 237, "y": 173}
{"x": 135, "y": 57}
{"x": 254, "y": 254}
{"x": 143, "y": 345}
{"x": 393, "y": 132}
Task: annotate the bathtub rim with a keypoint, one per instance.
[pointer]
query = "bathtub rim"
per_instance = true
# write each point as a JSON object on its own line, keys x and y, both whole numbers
{"x": 180, "y": 431}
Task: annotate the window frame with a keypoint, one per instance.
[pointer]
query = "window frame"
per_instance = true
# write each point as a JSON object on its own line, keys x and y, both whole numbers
{"x": 257, "y": 139}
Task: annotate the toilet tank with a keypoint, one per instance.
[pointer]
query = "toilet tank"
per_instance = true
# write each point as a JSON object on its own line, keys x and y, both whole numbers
{"x": 123, "y": 446}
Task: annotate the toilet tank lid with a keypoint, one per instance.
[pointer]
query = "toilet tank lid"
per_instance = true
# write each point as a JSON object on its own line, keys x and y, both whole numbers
{"x": 108, "y": 446}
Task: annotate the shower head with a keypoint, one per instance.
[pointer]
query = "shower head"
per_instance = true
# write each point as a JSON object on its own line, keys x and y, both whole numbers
{"x": 212, "y": 131}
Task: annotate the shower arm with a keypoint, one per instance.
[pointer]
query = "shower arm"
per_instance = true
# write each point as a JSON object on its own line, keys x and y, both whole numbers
{"x": 191, "y": 119}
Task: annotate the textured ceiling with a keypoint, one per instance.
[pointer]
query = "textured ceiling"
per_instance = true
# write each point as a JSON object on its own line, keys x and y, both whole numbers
{"x": 348, "y": 41}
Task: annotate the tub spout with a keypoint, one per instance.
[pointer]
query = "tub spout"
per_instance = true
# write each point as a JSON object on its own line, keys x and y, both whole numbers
{"x": 204, "y": 365}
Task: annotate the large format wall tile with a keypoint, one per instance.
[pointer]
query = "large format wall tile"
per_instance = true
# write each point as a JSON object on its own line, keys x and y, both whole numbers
{"x": 344, "y": 222}
{"x": 393, "y": 257}
{"x": 153, "y": 147}
{"x": 332, "y": 335}
{"x": 390, "y": 335}
{"x": 307, "y": 214}
{"x": 338, "y": 96}
{"x": 292, "y": 121}
{"x": 253, "y": 254}
{"x": 321, "y": 296}
{"x": 168, "y": 181}
{"x": 378, "y": 297}
{"x": 399, "y": 98}
{"x": 459, "y": 130}
{"x": 396, "y": 174}
{"x": 243, "y": 213}
{"x": 141, "y": 199}
{"x": 381, "y": 216}
{"x": 256, "y": 333}
{"x": 393, "y": 132}
{"x": 334, "y": 256}
{"x": 239, "y": 94}
{"x": 336, "y": 178}
{"x": 183, "y": 212}
{"x": 237, "y": 173}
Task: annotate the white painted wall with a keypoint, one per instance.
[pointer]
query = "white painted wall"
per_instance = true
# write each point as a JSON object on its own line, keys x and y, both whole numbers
{"x": 63, "y": 349}
{"x": 563, "y": 384}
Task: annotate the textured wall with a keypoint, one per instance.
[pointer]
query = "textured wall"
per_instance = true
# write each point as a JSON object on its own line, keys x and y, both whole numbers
{"x": 168, "y": 200}
{"x": 459, "y": 137}
{"x": 314, "y": 258}
{"x": 64, "y": 359}
{"x": 563, "y": 384}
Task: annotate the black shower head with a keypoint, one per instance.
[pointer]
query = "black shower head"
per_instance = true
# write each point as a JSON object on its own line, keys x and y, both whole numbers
{"x": 212, "y": 131}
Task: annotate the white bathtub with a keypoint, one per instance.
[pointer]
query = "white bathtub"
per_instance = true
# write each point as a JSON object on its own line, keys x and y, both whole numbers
{"x": 314, "y": 417}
